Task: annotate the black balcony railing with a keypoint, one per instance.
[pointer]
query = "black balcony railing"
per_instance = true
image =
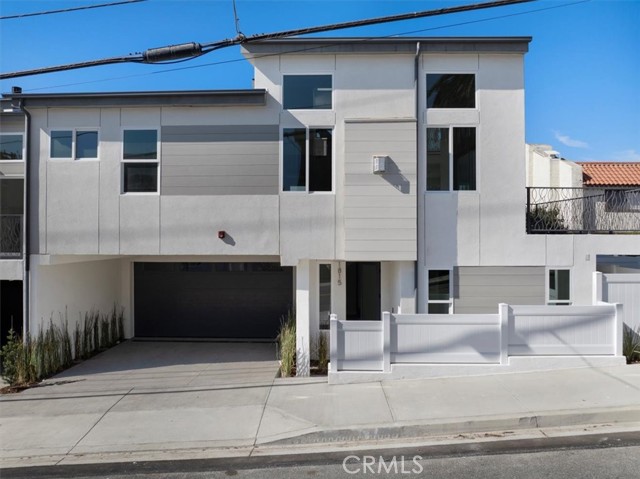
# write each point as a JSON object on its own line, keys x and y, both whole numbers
{"x": 583, "y": 210}
{"x": 10, "y": 236}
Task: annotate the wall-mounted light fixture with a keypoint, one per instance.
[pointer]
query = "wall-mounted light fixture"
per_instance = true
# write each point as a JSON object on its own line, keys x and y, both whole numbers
{"x": 222, "y": 234}
{"x": 379, "y": 164}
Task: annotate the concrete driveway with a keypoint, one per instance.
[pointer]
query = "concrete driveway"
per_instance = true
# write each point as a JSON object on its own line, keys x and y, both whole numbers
{"x": 137, "y": 394}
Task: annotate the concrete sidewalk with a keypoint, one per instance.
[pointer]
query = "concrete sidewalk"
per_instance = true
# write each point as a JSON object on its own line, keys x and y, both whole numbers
{"x": 118, "y": 407}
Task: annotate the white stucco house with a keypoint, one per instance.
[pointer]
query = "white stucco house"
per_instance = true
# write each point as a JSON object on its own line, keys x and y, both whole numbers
{"x": 357, "y": 176}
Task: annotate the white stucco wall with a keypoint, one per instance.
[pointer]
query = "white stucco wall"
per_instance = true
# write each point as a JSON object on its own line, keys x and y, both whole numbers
{"x": 73, "y": 288}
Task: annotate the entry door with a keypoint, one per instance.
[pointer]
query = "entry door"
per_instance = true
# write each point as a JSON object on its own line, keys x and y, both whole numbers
{"x": 363, "y": 291}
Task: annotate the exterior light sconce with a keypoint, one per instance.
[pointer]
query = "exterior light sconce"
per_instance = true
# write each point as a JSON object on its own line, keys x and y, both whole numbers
{"x": 222, "y": 234}
{"x": 379, "y": 164}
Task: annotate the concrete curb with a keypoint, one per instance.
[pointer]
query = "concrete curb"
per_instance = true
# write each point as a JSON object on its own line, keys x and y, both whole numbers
{"x": 445, "y": 428}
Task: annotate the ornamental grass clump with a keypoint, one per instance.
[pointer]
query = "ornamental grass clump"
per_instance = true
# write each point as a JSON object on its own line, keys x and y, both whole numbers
{"x": 631, "y": 344}
{"x": 287, "y": 344}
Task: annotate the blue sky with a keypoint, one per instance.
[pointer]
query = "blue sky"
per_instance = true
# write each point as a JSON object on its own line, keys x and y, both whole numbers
{"x": 582, "y": 73}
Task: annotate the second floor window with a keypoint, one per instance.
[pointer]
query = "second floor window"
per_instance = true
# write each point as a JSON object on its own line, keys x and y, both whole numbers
{"x": 307, "y": 159}
{"x": 451, "y": 90}
{"x": 74, "y": 144}
{"x": 11, "y": 146}
{"x": 451, "y": 159}
{"x": 140, "y": 161}
{"x": 307, "y": 92}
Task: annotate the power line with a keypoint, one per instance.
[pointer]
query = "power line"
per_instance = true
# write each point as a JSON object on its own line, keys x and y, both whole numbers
{"x": 302, "y": 50}
{"x": 192, "y": 49}
{"x": 73, "y": 9}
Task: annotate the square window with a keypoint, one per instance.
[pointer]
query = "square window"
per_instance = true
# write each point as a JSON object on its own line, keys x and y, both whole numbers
{"x": 140, "y": 177}
{"x": 140, "y": 145}
{"x": 307, "y": 92}
{"x": 11, "y": 147}
{"x": 62, "y": 144}
{"x": 451, "y": 90}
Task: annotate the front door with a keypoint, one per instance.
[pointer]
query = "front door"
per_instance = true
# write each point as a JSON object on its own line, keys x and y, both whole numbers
{"x": 363, "y": 291}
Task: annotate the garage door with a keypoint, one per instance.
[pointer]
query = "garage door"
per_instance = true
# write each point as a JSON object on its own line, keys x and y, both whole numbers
{"x": 211, "y": 300}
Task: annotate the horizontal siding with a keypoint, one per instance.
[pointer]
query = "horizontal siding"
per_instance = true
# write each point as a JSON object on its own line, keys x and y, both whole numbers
{"x": 480, "y": 289}
{"x": 380, "y": 209}
{"x": 220, "y": 160}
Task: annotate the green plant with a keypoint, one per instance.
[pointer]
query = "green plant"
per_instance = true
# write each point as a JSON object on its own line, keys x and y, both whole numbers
{"x": 545, "y": 218}
{"x": 11, "y": 354}
{"x": 323, "y": 353}
{"x": 631, "y": 344}
{"x": 287, "y": 344}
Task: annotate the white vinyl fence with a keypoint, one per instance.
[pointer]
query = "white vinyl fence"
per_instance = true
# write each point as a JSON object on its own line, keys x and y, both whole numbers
{"x": 621, "y": 288}
{"x": 475, "y": 338}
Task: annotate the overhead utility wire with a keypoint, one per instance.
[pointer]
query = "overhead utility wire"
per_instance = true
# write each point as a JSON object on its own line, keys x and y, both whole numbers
{"x": 191, "y": 50}
{"x": 73, "y": 9}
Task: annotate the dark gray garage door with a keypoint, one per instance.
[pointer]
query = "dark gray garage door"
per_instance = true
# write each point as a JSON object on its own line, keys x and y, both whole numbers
{"x": 211, "y": 300}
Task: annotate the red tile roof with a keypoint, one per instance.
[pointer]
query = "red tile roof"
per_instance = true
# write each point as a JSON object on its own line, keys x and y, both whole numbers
{"x": 610, "y": 174}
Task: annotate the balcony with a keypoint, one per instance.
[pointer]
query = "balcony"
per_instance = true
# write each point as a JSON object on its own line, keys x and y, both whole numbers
{"x": 583, "y": 210}
{"x": 10, "y": 236}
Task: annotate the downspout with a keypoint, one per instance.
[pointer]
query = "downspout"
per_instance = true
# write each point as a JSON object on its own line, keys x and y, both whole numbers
{"x": 26, "y": 283}
{"x": 419, "y": 196}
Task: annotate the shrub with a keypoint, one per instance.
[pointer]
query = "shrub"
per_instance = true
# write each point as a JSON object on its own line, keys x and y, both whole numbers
{"x": 287, "y": 344}
{"x": 323, "y": 353}
{"x": 12, "y": 354}
{"x": 546, "y": 219}
{"x": 631, "y": 344}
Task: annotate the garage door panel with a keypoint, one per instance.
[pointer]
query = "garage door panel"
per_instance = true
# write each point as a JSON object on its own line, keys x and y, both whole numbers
{"x": 176, "y": 301}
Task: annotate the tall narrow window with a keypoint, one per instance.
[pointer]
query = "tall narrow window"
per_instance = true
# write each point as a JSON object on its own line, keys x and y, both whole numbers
{"x": 439, "y": 298}
{"x": 559, "y": 287}
{"x": 11, "y": 146}
{"x": 140, "y": 161}
{"x": 307, "y": 92}
{"x": 451, "y": 149}
{"x": 324, "y": 293}
{"x": 307, "y": 157}
{"x": 62, "y": 144}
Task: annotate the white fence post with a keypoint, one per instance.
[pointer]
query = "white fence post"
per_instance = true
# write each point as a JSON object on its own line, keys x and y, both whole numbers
{"x": 619, "y": 332}
{"x": 597, "y": 287}
{"x": 503, "y": 314}
{"x": 386, "y": 342}
{"x": 333, "y": 343}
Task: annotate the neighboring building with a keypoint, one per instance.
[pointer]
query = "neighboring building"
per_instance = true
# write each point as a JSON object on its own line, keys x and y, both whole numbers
{"x": 358, "y": 176}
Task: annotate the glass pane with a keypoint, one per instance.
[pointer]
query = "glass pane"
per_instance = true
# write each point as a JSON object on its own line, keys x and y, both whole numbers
{"x": 10, "y": 147}
{"x": 320, "y": 160}
{"x": 11, "y": 196}
{"x": 61, "y": 142}
{"x": 559, "y": 285}
{"x": 325, "y": 294}
{"x": 437, "y": 159}
{"x": 293, "y": 164}
{"x": 140, "y": 177}
{"x": 307, "y": 92}
{"x": 439, "y": 284}
{"x": 140, "y": 145}
{"x": 464, "y": 158}
{"x": 86, "y": 144}
{"x": 451, "y": 90}
{"x": 438, "y": 308}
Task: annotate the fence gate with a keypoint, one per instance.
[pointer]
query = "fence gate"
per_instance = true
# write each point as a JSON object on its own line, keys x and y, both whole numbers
{"x": 625, "y": 289}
